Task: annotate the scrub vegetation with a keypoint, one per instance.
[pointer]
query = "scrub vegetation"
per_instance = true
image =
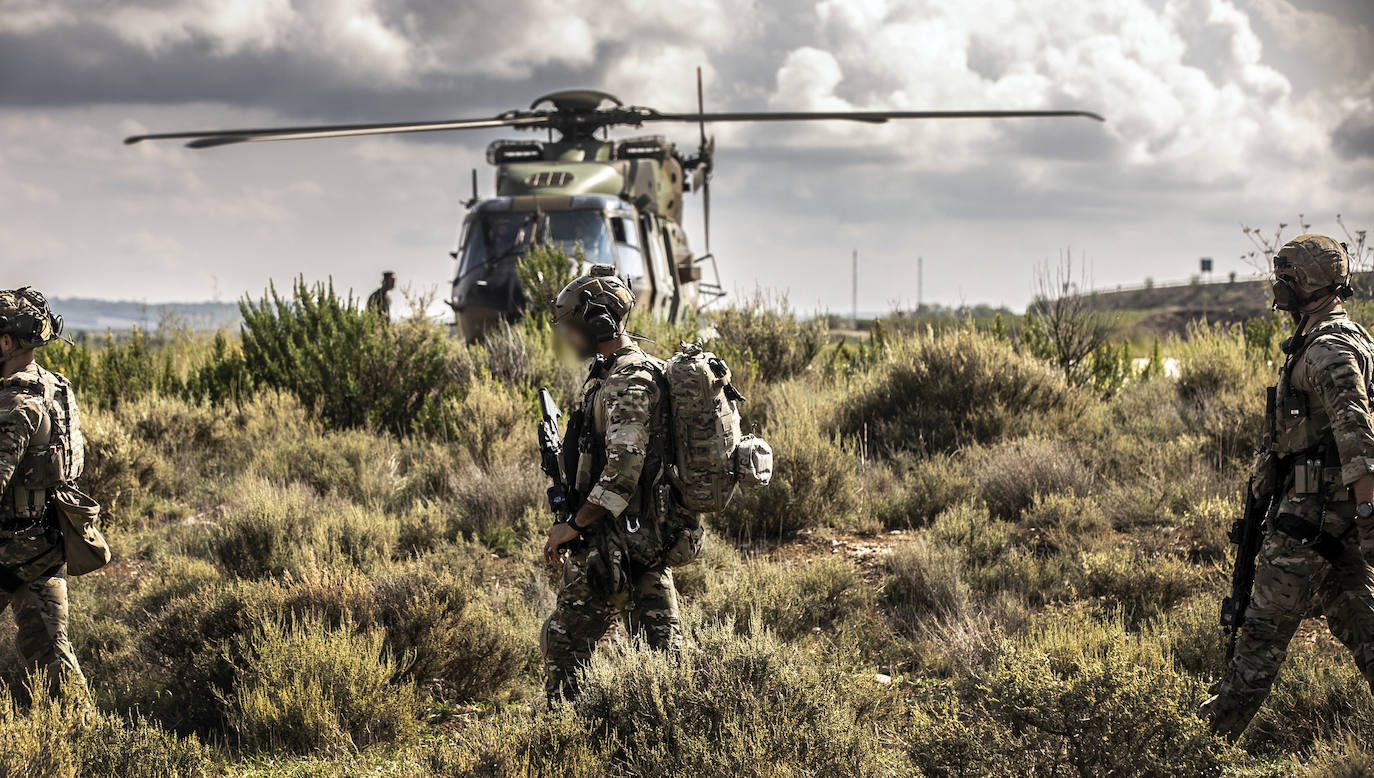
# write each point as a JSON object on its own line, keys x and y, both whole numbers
{"x": 327, "y": 540}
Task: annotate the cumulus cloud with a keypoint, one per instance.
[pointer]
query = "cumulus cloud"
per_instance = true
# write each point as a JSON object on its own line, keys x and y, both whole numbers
{"x": 1219, "y": 110}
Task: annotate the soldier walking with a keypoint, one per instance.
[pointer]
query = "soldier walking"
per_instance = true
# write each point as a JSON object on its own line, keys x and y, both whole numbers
{"x": 379, "y": 302}
{"x": 1318, "y": 540}
{"x": 619, "y": 435}
{"x": 40, "y": 436}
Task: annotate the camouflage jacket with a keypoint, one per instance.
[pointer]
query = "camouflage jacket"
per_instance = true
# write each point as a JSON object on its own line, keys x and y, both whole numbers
{"x": 1323, "y": 396}
{"x": 624, "y": 416}
{"x": 25, "y": 423}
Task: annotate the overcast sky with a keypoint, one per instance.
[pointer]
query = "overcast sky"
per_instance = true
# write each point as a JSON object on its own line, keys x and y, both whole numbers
{"x": 1219, "y": 112}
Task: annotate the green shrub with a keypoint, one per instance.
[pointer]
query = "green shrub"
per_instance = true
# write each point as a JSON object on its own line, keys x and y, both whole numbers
{"x": 305, "y": 686}
{"x": 1011, "y": 475}
{"x": 968, "y": 527}
{"x": 1319, "y": 695}
{"x": 513, "y": 744}
{"x": 121, "y": 371}
{"x": 1075, "y": 698}
{"x": 815, "y": 478}
{"x": 791, "y": 601}
{"x": 763, "y": 340}
{"x": 731, "y": 707}
{"x": 939, "y": 393}
{"x": 353, "y": 369}
{"x": 1222, "y": 387}
{"x": 923, "y": 581}
{"x": 1345, "y": 758}
{"x": 60, "y": 738}
{"x": 268, "y": 531}
{"x": 1066, "y": 522}
{"x": 924, "y": 488}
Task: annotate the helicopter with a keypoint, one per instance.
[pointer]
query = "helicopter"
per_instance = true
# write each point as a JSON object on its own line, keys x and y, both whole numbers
{"x": 600, "y": 199}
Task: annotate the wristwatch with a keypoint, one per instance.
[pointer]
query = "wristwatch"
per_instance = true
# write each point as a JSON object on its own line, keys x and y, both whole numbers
{"x": 1365, "y": 510}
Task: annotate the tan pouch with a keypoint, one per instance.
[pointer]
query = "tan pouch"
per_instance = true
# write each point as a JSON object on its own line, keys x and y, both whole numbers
{"x": 79, "y": 517}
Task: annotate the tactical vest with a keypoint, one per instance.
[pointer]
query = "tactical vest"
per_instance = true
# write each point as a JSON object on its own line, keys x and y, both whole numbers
{"x": 652, "y": 529}
{"x": 1300, "y": 422}
{"x": 56, "y": 451}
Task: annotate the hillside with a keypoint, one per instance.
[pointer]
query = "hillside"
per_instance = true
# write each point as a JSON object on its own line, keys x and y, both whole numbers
{"x": 84, "y": 314}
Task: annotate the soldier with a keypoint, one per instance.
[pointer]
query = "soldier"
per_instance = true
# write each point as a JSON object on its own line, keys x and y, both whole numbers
{"x": 38, "y": 421}
{"x": 1321, "y": 534}
{"x": 379, "y": 302}
{"x": 619, "y": 434}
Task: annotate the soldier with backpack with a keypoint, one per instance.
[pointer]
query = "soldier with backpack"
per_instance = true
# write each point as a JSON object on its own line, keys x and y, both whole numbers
{"x": 46, "y": 525}
{"x": 637, "y": 480}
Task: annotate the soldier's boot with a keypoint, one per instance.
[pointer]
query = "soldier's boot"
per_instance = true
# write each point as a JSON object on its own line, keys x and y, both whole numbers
{"x": 1228, "y": 712}
{"x": 1260, "y": 651}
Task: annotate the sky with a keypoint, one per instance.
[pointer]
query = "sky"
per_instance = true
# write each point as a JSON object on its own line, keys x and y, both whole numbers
{"x": 1219, "y": 113}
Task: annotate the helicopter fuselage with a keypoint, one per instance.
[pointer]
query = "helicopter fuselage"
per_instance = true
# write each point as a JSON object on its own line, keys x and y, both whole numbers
{"x": 614, "y": 202}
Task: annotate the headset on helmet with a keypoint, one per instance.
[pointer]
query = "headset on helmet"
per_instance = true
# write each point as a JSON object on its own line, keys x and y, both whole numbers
{"x": 1310, "y": 267}
{"x": 25, "y": 316}
{"x": 597, "y": 303}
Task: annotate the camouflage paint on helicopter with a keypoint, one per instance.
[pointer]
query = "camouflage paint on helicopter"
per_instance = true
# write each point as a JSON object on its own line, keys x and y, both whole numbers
{"x": 618, "y": 200}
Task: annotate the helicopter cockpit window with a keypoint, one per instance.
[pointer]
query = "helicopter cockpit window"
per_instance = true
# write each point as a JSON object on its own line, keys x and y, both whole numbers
{"x": 495, "y": 236}
{"x": 571, "y": 230}
{"x": 627, "y": 240}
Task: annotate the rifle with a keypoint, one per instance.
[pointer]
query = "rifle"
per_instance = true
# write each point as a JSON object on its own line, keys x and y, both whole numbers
{"x": 1247, "y": 533}
{"x": 551, "y": 457}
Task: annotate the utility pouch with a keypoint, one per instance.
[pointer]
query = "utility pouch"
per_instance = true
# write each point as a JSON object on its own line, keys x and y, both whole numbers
{"x": 79, "y": 518}
{"x": 47, "y": 468}
{"x": 1307, "y": 476}
{"x": 1294, "y": 406}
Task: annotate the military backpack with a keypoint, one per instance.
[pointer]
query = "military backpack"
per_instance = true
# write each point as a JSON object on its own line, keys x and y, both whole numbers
{"x": 711, "y": 457}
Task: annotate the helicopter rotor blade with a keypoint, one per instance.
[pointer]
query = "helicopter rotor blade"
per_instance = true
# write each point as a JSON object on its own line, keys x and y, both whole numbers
{"x": 701, "y": 110}
{"x": 203, "y": 139}
{"x": 872, "y": 117}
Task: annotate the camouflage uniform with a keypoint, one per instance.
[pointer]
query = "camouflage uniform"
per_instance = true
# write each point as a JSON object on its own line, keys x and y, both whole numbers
{"x": 1322, "y": 428}
{"x": 616, "y": 570}
{"x": 29, "y": 537}
{"x": 379, "y": 302}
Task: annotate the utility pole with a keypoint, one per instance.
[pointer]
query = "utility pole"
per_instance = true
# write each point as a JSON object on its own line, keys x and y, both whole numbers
{"x": 920, "y": 283}
{"x": 854, "y": 289}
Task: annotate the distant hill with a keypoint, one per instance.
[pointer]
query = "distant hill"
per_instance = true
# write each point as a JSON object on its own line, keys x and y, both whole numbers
{"x": 84, "y": 314}
{"x": 1171, "y": 307}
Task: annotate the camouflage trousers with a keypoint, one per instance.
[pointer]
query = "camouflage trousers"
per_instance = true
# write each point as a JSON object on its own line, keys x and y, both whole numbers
{"x": 581, "y": 616}
{"x": 1291, "y": 582}
{"x": 40, "y": 613}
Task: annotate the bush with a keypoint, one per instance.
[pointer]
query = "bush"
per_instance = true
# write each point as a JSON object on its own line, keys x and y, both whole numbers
{"x": 304, "y": 686}
{"x": 1318, "y": 696}
{"x": 940, "y": 393}
{"x": 730, "y": 707}
{"x": 269, "y": 531}
{"x": 791, "y": 601}
{"x": 355, "y": 370}
{"x": 61, "y": 737}
{"x": 763, "y": 340}
{"x": 1221, "y": 387}
{"x": 1010, "y": 476}
{"x": 924, "y": 488}
{"x": 923, "y": 581}
{"x": 1077, "y": 697}
{"x": 815, "y": 481}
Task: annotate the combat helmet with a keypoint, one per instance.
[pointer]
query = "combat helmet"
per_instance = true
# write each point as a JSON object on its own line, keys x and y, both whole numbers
{"x": 596, "y": 304}
{"x": 26, "y": 317}
{"x": 1307, "y": 267}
